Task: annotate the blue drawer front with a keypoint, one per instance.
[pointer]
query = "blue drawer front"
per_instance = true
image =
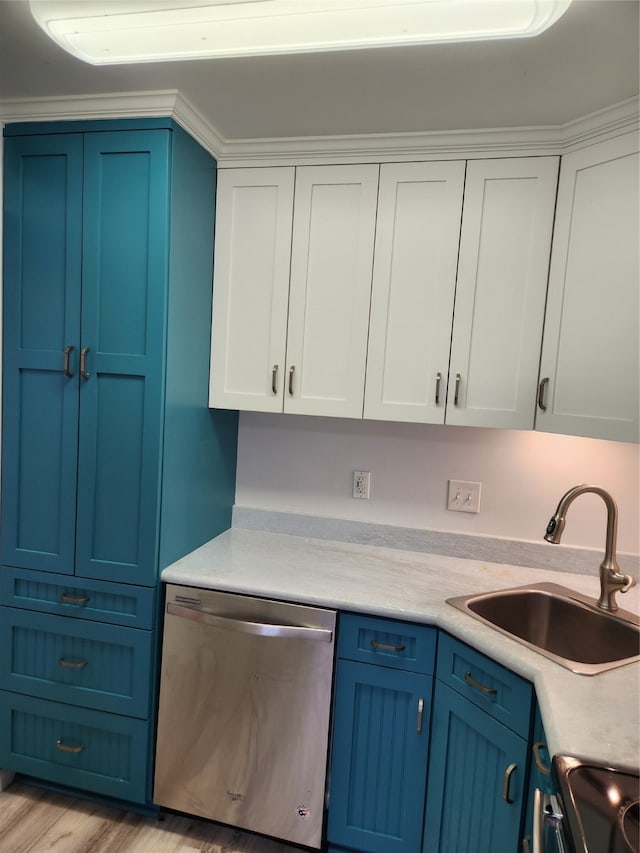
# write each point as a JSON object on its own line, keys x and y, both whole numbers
{"x": 97, "y": 600}
{"x": 81, "y": 663}
{"x": 499, "y": 692}
{"x": 105, "y": 753}
{"x": 387, "y": 642}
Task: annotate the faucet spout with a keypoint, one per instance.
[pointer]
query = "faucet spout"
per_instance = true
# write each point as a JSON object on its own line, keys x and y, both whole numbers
{"x": 611, "y": 579}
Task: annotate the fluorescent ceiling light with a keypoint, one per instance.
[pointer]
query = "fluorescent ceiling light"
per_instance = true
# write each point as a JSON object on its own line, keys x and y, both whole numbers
{"x": 116, "y": 31}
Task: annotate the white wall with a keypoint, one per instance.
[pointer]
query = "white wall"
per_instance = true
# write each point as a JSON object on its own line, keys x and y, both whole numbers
{"x": 304, "y": 464}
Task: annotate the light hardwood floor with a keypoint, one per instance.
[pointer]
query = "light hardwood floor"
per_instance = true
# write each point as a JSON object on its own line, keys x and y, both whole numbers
{"x": 33, "y": 820}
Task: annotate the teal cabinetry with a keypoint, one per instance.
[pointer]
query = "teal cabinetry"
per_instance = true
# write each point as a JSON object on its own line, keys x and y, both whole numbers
{"x": 381, "y": 733}
{"x": 478, "y": 765}
{"x": 112, "y": 464}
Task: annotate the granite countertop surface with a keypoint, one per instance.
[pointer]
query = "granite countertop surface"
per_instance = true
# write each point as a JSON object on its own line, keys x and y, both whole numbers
{"x": 593, "y": 717}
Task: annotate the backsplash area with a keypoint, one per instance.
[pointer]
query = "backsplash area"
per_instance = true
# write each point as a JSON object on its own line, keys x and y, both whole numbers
{"x": 303, "y": 465}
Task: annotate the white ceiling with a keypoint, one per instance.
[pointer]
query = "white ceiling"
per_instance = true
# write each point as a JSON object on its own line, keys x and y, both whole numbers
{"x": 588, "y": 60}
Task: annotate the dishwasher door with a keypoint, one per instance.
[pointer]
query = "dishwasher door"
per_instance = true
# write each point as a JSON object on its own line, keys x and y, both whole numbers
{"x": 243, "y": 725}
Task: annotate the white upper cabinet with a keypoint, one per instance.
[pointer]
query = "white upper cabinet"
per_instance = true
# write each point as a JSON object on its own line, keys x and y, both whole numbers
{"x": 589, "y": 374}
{"x": 500, "y": 295}
{"x": 251, "y": 288}
{"x": 414, "y": 279}
{"x": 292, "y": 286}
{"x": 331, "y": 266}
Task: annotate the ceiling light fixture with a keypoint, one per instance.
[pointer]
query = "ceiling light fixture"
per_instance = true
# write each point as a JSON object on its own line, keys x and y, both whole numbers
{"x": 108, "y": 32}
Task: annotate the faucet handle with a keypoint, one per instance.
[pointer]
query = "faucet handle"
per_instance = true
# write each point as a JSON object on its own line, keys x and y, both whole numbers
{"x": 628, "y": 583}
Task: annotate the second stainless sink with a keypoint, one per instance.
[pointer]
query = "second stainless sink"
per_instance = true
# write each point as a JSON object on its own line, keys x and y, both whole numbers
{"x": 561, "y": 624}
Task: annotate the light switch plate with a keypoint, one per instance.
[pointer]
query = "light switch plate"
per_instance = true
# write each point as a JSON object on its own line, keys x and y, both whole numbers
{"x": 464, "y": 496}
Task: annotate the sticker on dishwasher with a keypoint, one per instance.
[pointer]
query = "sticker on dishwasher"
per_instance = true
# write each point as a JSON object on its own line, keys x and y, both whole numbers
{"x": 303, "y": 812}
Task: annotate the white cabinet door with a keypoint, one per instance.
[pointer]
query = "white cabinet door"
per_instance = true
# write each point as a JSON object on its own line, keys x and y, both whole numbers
{"x": 589, "y": 368}
{"x": 414, "y": 279}
{"x": 501, "y": 289}
{"x": 251, "y": 288}
{"x": 331, "y": 266}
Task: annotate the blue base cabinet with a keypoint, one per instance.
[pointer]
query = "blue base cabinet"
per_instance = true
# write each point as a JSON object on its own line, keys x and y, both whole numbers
{"x": 113, "y": 466}
{"x": 380, "y": 736}
{"x": 479, "y": 759}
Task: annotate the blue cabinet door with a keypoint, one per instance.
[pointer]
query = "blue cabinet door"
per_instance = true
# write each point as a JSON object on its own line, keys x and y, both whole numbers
{"x": 477, "y": 780}
{"x": 42, "y": 251}
{"x": 379, "y": 758}
{"x": 124, "y": 298}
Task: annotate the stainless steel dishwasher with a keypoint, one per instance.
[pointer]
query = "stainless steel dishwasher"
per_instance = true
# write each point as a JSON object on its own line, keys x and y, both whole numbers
{"x": 243, "y": 727}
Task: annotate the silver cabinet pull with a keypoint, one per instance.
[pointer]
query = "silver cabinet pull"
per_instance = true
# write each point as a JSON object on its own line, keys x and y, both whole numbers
{"x": 83, "y": 362}
{"x": 420, "y": 713}
{"x": 274, "y": 378}
{"x": 457, "y": 391}
{"x": 438, "y": 378}
{"x": 244, "y": 626}
{"x": 537, "y": 749}
{"x": 291, "y": 372}
{"x": 541, "y": 389}
{"x": 67, "y": 368}
{"x": 69, "y": 747}
{"x": 488, "y": 691}
{"x": 72, "y": 664}
{"x": 65, "y": 598}
{"x": 506, "y": 784}
{"x": 387, "y": 647}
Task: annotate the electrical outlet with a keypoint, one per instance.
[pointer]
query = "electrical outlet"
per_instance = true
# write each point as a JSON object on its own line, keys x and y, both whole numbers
{"x": 464, "y": 496}
{"x": 361, "y": 481}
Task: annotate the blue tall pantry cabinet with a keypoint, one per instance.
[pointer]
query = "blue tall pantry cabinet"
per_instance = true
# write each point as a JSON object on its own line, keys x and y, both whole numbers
{"x": 112, "y": 464}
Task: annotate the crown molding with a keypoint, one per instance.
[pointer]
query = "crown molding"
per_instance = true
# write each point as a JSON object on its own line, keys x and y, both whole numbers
{"x": 146, "y": 104}
{"x": 378, "y": 148}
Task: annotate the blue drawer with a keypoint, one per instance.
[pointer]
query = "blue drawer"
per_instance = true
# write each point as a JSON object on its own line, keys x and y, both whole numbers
{"x": 106, "y": 667}
{"x": 499, "y": 692}
{"x": 105, "y": 753}
{"x": 99, "y": 601}
{"x": 387, "y": 642}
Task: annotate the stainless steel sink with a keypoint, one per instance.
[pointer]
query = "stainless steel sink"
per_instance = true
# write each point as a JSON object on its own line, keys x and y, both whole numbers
{"x": 559, "y": 623}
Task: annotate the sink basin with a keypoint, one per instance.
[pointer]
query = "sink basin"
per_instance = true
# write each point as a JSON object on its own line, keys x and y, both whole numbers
{"x": 559, "y": 623}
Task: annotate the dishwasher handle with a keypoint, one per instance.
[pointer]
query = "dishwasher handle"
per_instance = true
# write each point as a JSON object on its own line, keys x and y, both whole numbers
{"x": 243, "y": 626}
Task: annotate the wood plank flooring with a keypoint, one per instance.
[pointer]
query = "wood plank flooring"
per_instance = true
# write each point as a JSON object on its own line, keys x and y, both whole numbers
{"x": 33, "y": 820}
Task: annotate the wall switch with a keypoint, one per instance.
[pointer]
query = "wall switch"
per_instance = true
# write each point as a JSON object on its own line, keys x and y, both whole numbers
{"x": 464, "y": 496}
{"x": 361, "y": 481}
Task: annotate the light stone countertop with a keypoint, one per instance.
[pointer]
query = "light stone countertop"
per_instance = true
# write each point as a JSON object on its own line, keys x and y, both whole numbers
{"x": 594, "y": 717}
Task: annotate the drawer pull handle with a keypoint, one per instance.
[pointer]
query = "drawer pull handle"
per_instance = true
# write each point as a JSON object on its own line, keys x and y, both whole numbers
{"x": 456, "y": 396}
{"x": 541, "y": 389}
{"x": 292, "y": 370}
{"x": 65, "y": 598}
{"x": 72, "y": 664}
{"x": 83, "y": 363}
{"x": 488, "y": 691}
{"x": 69, "y": 747}
{"x": 420, "y": 714}
{"x": 540, "y": 764}
{"x": 274, "y": 379}
{"x": 438, "y": 378}
{"x": 508, "y": 773}
{"x": 386, "y": 647}
{"x": 67, "y": 367}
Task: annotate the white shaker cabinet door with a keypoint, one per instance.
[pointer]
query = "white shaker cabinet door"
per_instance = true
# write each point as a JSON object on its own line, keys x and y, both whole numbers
{"x": 589, "y": 373}
{"x": 251, "y": 288}
{"x": 414, "y": 279}
{"x": 330, "y": 290}
{"x": 500, "y": 296}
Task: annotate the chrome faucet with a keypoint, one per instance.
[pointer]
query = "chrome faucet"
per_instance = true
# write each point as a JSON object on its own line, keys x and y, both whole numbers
{"x": 611, "y": 579}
